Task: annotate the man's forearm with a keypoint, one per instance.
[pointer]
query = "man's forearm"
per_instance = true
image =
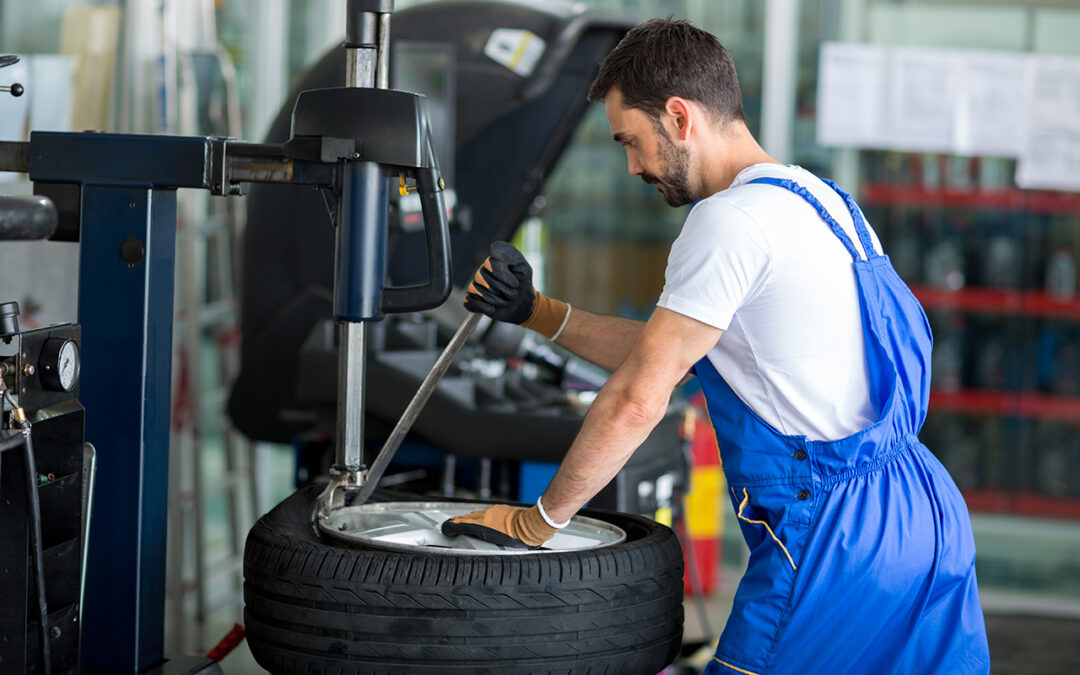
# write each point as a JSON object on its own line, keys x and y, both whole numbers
{"x": 628, "y": 407}
{"x": 600, "y": 339}
{"x": 616, "y": 425}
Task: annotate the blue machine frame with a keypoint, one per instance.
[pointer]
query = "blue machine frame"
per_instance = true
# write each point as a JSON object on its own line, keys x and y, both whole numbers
{"x": 126, "y": 310}
{"x": 126, "y": 225}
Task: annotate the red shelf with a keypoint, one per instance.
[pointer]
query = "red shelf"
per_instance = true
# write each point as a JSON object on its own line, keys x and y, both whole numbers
{"x": 994, "y": 301}
{"x": 1033, "y": 201}
{"x": 1022, "y": 503}
{"x": 1025, "y": 405}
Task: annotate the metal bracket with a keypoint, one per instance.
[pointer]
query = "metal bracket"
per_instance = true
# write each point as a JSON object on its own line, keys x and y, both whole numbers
{"x": 217, "y": 159}
{"x": 342, "y": 482}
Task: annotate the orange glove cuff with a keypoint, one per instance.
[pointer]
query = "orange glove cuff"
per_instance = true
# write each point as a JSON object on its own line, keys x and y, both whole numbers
{"x": 526, "y": 525}
{"x": 547, "y": 316}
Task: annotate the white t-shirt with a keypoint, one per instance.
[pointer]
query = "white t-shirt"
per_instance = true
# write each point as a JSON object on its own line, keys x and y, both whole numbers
{"x": 758, "y": 262}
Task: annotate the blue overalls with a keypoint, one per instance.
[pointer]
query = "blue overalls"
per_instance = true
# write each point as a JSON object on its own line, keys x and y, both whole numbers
{"x": 861, "y": 553}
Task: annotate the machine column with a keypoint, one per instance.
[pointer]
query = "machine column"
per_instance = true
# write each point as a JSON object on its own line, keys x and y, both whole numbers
{"x": 127, "y": 257}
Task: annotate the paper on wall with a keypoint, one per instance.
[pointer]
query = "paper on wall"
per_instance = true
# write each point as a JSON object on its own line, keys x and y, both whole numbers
{"x": 851, "y": 95}
{"x": 991, "y": 102}
{"x": 923, "y": 99}
{"x": 1051, "y": 150}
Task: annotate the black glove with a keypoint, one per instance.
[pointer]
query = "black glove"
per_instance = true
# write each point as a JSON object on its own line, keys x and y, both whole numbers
{"x": 502, "y": 287}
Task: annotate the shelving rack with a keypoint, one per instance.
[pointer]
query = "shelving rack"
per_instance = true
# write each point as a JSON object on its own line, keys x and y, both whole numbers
{"x": 1005, "y": 397}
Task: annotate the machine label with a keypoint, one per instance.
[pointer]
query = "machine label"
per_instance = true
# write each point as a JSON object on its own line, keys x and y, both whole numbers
{"x": 518, "y": 50}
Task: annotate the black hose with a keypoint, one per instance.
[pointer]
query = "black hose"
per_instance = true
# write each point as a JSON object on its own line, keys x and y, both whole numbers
{"x": 9, "y": 442}
{"x": 39, "y": 554}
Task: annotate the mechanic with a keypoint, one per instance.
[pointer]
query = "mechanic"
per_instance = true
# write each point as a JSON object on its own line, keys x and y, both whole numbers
{"x": 814, "y": 358}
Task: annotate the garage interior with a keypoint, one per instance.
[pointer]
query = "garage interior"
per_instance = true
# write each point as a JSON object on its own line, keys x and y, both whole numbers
{"x": 185, "y": 160}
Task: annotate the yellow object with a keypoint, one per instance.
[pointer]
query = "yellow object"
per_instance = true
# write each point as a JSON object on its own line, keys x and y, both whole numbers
{"x": 91, "y": 34}
{"x": 703, "y": 504}
{"x": 663, "y": 516}
{"x": 404, "y": 189}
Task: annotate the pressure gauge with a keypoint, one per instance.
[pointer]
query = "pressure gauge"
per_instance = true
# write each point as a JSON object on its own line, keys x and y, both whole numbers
{"x": 59, "y": 364}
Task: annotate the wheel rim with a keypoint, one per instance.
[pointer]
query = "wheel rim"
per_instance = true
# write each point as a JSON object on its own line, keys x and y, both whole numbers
{"x": 414, "y": 526}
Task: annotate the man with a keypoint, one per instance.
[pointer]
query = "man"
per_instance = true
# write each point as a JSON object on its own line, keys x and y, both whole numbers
{"x": 816, "y": 379}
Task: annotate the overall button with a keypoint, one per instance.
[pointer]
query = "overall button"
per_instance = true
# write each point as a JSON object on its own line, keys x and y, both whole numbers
{"x": 800, "y": 455}
{"x": 803, "y": 495}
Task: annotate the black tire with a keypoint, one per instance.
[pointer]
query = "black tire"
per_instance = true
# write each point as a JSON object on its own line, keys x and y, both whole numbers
{"x": 317, "y": 607}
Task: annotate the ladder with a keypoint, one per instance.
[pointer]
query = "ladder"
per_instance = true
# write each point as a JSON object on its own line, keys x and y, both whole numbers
{"x": 213, "y": 496}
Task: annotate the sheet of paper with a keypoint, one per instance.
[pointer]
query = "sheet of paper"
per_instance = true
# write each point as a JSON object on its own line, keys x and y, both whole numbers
{"x": 1051, "y": 152}
{"x": 851, "y": 95}
{"x": 922, "y": 98}
{"x": 991, "y": 103}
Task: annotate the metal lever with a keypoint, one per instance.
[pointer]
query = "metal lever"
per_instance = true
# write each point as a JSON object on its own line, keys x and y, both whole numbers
{"x": 15, "y": 89}
{"x": 412, "y": 411}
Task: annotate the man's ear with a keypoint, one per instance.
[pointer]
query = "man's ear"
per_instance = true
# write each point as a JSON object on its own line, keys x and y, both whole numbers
{"x": 681, "y": 115}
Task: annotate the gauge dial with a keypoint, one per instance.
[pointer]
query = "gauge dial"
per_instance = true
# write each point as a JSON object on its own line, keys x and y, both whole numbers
{"x": 59, "y": 365}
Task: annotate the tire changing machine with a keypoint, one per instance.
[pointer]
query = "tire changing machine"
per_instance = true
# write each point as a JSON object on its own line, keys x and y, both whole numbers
{"x": 115, "y": 194}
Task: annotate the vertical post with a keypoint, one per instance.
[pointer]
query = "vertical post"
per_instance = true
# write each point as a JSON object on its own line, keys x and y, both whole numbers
{"x": 267, "y": 44}
{"x": 126, "y": 309}
{"x": 779, "y": 78}
{"x": 360, "y": 252}
{"x": 846, "y": 160}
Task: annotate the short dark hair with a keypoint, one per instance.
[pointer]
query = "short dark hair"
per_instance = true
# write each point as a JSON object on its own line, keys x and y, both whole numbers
{"x": 669, "y": 57}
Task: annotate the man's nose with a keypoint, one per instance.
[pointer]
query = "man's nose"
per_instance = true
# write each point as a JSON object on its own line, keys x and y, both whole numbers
{"x": 633, "y": 165}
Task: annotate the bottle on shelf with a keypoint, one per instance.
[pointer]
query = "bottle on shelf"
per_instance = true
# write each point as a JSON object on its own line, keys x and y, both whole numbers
{"x": 947, "y": 360}
{"x": 945, "y": 265}
{"x": 1061, "y": 275}
{"x": 1001, "y": 262}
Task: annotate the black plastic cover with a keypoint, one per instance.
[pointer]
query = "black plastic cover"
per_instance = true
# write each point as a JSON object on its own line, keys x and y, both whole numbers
{"x": 353, "y": 112}
{"x": 510, "y": 131}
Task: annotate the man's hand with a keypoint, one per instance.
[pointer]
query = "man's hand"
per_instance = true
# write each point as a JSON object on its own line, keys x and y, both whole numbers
{"x": 503, "y": 525}
{"x": 502, "y": 288}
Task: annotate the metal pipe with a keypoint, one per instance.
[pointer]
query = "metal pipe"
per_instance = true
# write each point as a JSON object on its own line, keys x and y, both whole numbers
{"x": 427, "y": 387}
{"x": 359, "y": 67}
{"x": 361, "y": 53}
{"x": 382, "y": 72}
{"x": 352, "y": 362}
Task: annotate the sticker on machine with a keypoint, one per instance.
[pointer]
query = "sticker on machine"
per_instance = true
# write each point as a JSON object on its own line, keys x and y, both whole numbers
{"x": 518, "y": 50}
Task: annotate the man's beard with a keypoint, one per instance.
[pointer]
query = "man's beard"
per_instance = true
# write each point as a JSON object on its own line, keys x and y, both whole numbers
{"x": 676, "y": 172}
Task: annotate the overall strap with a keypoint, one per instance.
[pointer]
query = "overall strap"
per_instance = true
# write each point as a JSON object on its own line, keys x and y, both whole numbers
{"x": 858, "y": 218}
{"x": 856, "y": 215}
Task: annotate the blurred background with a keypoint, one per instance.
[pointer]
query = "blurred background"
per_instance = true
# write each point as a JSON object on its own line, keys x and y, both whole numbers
{"x": 956, "y": 125}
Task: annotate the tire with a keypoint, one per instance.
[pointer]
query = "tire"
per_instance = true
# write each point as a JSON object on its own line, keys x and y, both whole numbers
{"x": 317, "y": 607}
